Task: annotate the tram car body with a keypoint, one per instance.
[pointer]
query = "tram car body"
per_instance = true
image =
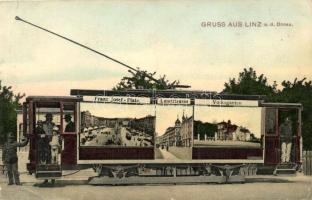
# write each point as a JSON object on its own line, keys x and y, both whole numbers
{"x": 150, "y": 136}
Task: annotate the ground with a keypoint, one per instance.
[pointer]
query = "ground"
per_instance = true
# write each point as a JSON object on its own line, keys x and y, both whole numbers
{"x": 74, "y": 187}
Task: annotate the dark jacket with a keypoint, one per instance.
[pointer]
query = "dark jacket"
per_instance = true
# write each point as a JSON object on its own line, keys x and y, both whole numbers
{"x": 9, "y": 151}
{"x": 70, "y": 127}
{"x": 286, "y": 132}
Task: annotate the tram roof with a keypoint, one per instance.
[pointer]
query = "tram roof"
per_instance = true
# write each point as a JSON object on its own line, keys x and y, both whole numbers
{"x": 53, "y": 98}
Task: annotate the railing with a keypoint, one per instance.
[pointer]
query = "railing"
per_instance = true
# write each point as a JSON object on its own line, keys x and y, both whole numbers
{"x": 307, "y": 163}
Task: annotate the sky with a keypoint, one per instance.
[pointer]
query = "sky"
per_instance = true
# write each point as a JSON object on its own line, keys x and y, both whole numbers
{"x": 162, "y": 36}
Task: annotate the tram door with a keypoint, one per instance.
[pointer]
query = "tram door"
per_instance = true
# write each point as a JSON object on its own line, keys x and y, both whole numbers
{"x": 47, "y": 133}
{"x": 289, "y": 135}
{"x": 55, "y": 129}
{"x": 282, "y": 135}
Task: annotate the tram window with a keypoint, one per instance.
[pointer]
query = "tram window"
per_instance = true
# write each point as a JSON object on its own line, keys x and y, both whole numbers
{"x": 69, "y": 125}
{"x": 48, "y": 119}
{"x": 270, "y": 122}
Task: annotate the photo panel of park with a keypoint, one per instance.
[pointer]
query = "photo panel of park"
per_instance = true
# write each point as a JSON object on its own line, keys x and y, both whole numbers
{"x": 227, "y": 127}
{"x": 174, "y": 130}
{"x": 117, "y": 125}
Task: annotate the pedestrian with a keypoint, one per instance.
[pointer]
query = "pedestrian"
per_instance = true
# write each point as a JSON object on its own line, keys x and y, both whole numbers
{"x": 9, "y": 158}
{"x": 285, "y": 130}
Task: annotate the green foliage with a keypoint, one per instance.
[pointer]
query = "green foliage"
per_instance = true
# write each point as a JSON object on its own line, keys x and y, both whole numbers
{"x": 292, "y": 92}
{"x": 204, "y": 128}
{"x": 249, "y": 83}
{"x": 141, "y": 80}
{"x": 9, "y": 102}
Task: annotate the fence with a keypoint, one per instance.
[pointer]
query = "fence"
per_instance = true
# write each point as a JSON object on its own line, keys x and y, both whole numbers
{"x": 307, "y": 163}
{"x": 1, "y": 164}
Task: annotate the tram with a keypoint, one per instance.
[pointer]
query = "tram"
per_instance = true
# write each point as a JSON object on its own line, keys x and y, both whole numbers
{"x": 148, "y": 136}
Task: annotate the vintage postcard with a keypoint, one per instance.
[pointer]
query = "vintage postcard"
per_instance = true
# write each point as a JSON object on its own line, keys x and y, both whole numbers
{"x": 156, "y": 99}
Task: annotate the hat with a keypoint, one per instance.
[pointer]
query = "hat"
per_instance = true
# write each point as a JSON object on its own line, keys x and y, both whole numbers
{"x": 68, "y": 116}
{"x": 48, "y": 115}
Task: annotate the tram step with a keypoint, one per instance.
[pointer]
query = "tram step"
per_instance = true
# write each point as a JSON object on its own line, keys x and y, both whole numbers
{"x": 285, "y": 172}
{"x": 285, "y": 169}
{"x": 48, "y": 171}
{"x": 48, "y": 174}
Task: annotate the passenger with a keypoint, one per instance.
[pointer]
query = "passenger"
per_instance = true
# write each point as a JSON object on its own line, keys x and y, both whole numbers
{"x": 55, "y": 147}
{"x": 48, "y": 125}
{"x": 70, "y": 127}
{"x": 286, "y": 139}
{"x": 42, "y": 144}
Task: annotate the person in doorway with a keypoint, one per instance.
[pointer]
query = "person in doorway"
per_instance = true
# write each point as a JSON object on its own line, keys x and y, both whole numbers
{"x": 48, "y": 126}
{"x": 9, "y": 158}
{"x": 55, "y": 147}
{"x": 285, "y": 130}
{"x": 70, "y": 126}
{"x": 42, "y": 144}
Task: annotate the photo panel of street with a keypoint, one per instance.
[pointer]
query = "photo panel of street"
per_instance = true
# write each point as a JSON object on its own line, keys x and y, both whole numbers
{"x": 227, "y": 127}
{"x": 120, "y": 125}
{"x": 174, "y": 130}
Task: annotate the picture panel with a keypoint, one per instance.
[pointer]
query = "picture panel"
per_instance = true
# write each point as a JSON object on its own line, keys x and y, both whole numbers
{"x": 227, "y": 127}
{"x": 117, "y": 125}
{"x": 174, "y": 131}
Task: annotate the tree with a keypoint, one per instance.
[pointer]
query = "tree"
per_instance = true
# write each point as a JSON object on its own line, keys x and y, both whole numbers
{"x": 9, "y": 102}
{"x": 141, "y": 80}
{"x": 249, "y": 83}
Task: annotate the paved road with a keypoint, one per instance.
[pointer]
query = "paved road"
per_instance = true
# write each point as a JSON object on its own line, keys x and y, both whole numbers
{"x": 274, "y": 188}
{"x": 167, "y": 155}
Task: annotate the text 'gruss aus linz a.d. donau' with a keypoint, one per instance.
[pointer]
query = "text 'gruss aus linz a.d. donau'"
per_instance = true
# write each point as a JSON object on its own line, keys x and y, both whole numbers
{"x": 243, "y": 24}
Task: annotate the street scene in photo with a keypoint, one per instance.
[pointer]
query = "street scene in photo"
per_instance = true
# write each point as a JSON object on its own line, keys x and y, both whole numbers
{"x": 118, "y": 125}
{"x": 227, "y": 127}
{"x": 174, "y": 130}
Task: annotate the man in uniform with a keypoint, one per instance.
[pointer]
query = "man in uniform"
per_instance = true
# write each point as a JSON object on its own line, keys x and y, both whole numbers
{"x": 285, "y": 130}
{"x": 9, "y": 158}
{"x": 48, "y": 126}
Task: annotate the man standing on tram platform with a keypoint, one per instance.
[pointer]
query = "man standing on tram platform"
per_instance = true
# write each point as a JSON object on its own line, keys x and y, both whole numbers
{"x": 48, "y": 126}
{"x": 285, "y": 131}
